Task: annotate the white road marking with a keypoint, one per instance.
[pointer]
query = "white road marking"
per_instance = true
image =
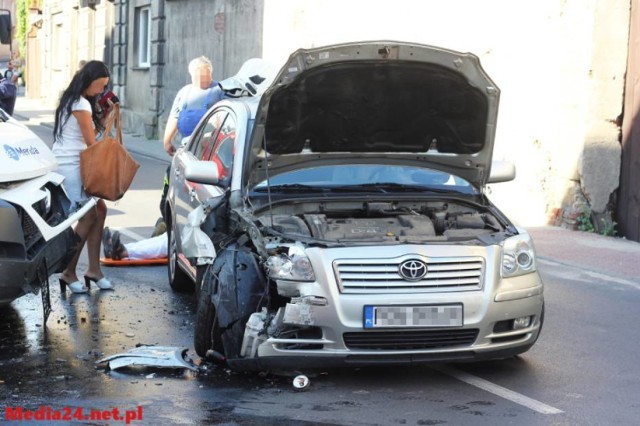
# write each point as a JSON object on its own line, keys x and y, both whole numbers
{"x": 130, "y": 234}
{"x": 505, "y": 393}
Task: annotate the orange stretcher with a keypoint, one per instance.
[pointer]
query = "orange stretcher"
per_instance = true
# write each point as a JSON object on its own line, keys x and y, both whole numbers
{"x": 133, "y": 262}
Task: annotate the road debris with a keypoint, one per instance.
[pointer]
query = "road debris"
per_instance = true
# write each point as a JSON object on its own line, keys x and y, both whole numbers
{"x": 301, "y": 383}
{"x": 150, "y": 356}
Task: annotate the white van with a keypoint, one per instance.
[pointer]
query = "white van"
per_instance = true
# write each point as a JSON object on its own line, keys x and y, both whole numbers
{"x": 36, "y": 235}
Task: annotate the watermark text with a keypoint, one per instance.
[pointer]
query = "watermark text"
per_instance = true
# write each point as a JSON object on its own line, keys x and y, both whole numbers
{"x": 66, "y": 414}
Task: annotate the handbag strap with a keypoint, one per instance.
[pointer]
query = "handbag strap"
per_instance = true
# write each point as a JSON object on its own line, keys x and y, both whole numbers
{"x": 114, "y": 118}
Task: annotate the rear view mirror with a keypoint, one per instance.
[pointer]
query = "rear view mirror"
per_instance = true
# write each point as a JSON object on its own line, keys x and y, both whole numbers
{"x": 502, "y": 171}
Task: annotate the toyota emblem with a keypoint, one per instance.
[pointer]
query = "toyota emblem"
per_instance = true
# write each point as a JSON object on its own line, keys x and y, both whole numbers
{"x": 413, "y": 270}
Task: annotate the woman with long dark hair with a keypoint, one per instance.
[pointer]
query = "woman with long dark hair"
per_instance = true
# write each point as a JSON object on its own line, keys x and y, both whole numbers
{"x": 77, "y": 121}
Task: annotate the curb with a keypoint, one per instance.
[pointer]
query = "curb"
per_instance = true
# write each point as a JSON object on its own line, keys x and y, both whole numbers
{"x": 132, "y": 147}
{"x": 17, "y": 115}
{"x": 147, "y": 155}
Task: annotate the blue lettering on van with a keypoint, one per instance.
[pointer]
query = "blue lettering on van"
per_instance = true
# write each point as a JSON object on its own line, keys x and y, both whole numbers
{"x": 11, "y": 153}
{"x": 15, "y": 152}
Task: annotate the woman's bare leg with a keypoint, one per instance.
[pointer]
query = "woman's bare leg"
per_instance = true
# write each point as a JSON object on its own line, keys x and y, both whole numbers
{"x": 94, "y": 240}
{"x": 82, "y": 229}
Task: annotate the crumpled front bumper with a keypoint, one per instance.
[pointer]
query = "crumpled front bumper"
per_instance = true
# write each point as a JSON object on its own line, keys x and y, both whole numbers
{"x": 23, "y": 276}
{"x": 341, "y": 338}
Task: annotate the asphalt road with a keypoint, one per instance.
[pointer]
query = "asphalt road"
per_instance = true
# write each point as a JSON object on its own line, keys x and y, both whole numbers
{"x": 582, "y": 371}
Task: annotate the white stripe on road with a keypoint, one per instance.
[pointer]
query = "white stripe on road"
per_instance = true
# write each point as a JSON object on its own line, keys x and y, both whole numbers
{"x": 505, "y": 393}
{"x": 130, "y": 234}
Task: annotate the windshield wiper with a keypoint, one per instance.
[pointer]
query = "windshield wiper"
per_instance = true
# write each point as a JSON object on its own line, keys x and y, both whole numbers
{"x": 291, "y": 187}
{"x": 391, "y": 187}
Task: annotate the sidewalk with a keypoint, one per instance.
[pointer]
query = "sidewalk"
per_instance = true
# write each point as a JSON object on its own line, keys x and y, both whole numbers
{"x": 613, "y": 257}
{"x": 610, "y": 256}
{"x": 38, "y": 112}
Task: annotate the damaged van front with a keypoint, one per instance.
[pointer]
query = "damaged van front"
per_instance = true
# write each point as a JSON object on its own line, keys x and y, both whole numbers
{"x": 355, "y": 229}
{"x": 35, "y": 217}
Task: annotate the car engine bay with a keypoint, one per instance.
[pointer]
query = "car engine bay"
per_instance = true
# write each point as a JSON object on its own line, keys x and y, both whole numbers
{"x": 383, "y": 222}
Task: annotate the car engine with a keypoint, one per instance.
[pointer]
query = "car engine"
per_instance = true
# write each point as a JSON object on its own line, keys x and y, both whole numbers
{"x": 396, "y": 222}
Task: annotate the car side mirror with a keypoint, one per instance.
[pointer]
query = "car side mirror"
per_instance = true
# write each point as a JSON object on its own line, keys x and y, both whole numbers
{"x": 205, "y": 172}
{"x": 502, "y": 171}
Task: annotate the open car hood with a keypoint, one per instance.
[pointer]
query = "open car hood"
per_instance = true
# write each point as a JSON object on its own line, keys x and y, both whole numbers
{"x": 376, "y": 102}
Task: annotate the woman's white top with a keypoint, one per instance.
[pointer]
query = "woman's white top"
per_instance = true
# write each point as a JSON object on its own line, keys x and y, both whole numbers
{"x": 70, "y": 143}
{"x": 67, "y": 150}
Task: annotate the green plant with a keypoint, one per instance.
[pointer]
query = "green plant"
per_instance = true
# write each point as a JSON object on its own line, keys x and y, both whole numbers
{"x": 586, "y": 224}
{"x": 608, "y": 228}
{"x": 22, "y": 22}
{"x": 584, "y": 220}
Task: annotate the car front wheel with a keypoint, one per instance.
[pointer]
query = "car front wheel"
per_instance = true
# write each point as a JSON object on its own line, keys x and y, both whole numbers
{"x": 207, "y": 332}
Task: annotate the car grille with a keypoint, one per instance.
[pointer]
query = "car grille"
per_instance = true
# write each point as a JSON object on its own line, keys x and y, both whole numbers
{"x": 32, "y": 237}
{"x": 405, "y": 340}
{"x": 382, "y": 276}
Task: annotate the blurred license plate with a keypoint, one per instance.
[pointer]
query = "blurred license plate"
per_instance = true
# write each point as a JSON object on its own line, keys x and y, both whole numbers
{"x": 412, "y": 316}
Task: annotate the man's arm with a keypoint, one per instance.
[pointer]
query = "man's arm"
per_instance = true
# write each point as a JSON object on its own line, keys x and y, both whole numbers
{"x": 171, "y": 128}
{"x": 169, "y": 132}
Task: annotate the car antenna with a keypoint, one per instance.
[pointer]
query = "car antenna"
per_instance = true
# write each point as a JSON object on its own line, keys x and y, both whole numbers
{"x": 266, "y": 169}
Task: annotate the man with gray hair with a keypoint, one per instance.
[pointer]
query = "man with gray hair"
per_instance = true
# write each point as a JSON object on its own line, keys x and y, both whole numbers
{"x": 191, "y": 102}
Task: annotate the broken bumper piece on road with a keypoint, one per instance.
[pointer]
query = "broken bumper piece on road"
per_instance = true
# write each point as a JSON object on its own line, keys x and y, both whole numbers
{"x": 150, "y": 356}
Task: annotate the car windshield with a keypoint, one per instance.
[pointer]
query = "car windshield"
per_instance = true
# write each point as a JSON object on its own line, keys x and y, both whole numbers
{"x": 367, "y": 178}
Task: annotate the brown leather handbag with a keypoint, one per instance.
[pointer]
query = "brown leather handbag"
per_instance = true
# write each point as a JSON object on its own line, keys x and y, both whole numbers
{"x": 106, "y": 168}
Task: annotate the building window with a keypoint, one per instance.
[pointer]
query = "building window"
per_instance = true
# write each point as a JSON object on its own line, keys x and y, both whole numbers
{"x": 142, "y": 39}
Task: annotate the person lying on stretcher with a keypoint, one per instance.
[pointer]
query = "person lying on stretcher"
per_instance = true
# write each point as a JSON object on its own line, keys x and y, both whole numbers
{"x": 155, "y": 247}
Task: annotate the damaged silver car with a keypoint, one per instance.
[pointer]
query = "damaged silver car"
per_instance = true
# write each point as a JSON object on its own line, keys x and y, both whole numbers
{"x": 348, "y": 217}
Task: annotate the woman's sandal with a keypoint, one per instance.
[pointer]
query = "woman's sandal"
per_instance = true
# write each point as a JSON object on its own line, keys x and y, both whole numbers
{"x": 75, "y": 287}
{"x": 102, "y": 283}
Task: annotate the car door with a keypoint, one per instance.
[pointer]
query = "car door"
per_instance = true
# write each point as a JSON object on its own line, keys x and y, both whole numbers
{"x": 222, "y": 155}
{"x": 187, "y": 195}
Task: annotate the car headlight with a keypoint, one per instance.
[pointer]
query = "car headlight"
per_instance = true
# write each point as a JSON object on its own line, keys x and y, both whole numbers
{"x": 293, "y": 267}
{"x": 518, "y": 256}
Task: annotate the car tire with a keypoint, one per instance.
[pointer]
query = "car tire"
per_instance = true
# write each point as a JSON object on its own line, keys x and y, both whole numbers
{"x": 237, "y": 287}
{"x": 201, "y": 270}
{"x": 179, "y": 280}
{"x": 206, "y": 333}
